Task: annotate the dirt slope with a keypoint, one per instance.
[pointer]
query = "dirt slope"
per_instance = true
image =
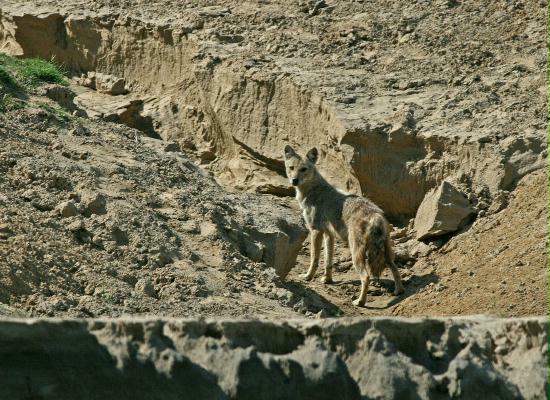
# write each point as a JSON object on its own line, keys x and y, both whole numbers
{"x": 499, "y": 266}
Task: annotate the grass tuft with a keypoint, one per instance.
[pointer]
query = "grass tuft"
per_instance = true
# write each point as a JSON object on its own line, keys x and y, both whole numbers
{"x": 20, "y": 77}
{"x": 29, "y": 72}
{"x": 36, "y": 71}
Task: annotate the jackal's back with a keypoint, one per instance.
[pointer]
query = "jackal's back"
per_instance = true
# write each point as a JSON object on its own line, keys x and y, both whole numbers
{"x": 368, "y": 227}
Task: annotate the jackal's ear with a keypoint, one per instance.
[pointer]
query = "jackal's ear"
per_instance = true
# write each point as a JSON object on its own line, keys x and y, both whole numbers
{"x": 289, "y": 151}
{"x": 312, "y": 155}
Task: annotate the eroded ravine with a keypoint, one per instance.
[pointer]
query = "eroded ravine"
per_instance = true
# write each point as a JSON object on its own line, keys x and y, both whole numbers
{"x": 235, "y": 114}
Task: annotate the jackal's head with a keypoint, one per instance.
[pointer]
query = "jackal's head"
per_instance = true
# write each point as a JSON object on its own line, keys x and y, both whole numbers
{"x": 300, "y": 170}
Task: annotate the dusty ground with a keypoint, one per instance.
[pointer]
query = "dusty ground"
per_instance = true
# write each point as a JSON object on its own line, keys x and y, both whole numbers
{"x": 429, "y": 91}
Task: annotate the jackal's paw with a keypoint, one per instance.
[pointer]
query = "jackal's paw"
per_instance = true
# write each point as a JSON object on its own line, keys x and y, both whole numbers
{"x": 358, "y": 303}
{"x": 398, "y": 291}
{"x": 306, "y": 277}
{"x": 327, "y": 279}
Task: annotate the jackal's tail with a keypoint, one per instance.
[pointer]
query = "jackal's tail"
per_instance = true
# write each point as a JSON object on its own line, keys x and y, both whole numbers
{"x": 379, "y": 251}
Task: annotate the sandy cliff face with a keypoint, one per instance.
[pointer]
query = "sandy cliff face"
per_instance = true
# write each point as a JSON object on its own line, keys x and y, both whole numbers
{"x": 402, "y": 101}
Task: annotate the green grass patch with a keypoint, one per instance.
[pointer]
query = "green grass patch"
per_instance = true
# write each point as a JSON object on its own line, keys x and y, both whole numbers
{"x": 37, "y": 71}
{"x": 30, "y": 72}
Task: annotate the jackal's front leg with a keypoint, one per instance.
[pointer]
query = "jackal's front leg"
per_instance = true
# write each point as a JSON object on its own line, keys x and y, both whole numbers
{"x": 316, "y": 241}
{"x": 329, "y": 253}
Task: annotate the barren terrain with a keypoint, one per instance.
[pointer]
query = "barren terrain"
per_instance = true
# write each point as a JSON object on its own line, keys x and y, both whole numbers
{"x": 143, "y": 201}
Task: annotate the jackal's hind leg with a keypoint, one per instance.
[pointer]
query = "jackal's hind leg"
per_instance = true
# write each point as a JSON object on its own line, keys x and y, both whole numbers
{"x": 329, "y": 253}
{"x": 316, "y": 241}
{"x": 360, "y": 302}
{"x": 358, "y": 257}
{"x": 397, "y": 278}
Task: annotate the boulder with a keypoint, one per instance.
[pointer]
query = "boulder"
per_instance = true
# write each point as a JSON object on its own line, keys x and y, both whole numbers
{"x": 444, "y": 210}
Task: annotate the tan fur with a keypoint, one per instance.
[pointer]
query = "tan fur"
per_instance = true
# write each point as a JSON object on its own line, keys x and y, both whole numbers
{"x": 329, "y": 212}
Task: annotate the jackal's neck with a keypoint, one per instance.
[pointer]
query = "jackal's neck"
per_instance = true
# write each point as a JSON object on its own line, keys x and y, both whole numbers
{"x": 303, "y": 190}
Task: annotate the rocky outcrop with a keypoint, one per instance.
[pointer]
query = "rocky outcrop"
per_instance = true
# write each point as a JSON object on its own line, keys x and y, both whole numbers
{"x": 385, "y": 358}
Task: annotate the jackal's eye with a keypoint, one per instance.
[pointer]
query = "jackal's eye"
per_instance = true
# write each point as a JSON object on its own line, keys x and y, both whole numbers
{"x": 303, "y": 169}
{"x": 291, "y": 168}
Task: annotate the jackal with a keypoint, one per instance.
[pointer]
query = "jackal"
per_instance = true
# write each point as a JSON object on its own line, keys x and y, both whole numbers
{"x": 329, "y": 212}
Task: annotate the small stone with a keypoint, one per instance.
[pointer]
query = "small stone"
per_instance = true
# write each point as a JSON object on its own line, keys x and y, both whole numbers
{"x": 482, "y": 205}
{"x": 349, "y": 99}
{"x": 453, "y": 270}
{"x": 145, "y": 286}
{"x": 95, "y": 205}
{"x": 75, "y": 226}
{"x": 79, "y": 130}
{"x": 405, "y": 38}
{"x": 68, "y": 209}
{"x": 399, "y": 233}
{"x": 159, "y": 256}
{"x": 28, "y": 194}
{"x": 190, "y": 227}
{"x": 5, "y": 231}
{"x": 484, "y": 139}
